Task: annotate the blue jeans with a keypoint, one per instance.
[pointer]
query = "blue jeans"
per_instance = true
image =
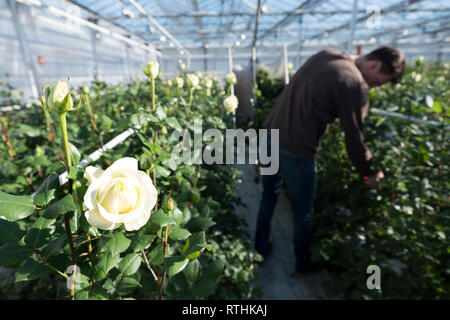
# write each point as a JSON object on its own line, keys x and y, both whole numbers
{"x": 300, "y": 176}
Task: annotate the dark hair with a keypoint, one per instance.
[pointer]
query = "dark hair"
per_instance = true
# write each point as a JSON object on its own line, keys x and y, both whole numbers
{"x": 393, "y": 62}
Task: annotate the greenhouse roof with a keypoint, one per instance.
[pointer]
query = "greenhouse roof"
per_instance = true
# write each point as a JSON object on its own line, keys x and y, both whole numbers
{"x": 203, "y": 23}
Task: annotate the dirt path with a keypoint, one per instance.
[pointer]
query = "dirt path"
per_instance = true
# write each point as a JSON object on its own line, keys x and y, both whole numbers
{"x": 275, "y": 280}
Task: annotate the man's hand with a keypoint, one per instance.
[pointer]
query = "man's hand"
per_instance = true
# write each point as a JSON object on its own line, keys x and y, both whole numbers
{"x": 372, "y": 181}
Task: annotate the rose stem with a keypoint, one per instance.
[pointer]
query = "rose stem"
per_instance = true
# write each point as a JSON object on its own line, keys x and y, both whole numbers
{"x": 63, "y": 122}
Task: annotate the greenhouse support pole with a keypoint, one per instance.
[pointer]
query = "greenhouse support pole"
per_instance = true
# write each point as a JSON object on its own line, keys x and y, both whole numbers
{"x": 254, "y": 63}
{"x": 126, "y": 58}
{"x": 230, "y": 65}
{"x": 25, "y": 50}
{"x": 300, "y": 39}
{"x": 205, "y": 61}
{"x": 352, "y": 27}
{"x": 285, "y": 62}
{"x": 94, "y": 53}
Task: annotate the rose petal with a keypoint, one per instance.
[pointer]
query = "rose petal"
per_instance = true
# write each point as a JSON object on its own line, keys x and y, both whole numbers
{"x": 127, "y": 163}
{"x": 147, "y": 197}
{"x": 95, "y": 219}
{"x": 137, "y": 223}
{"x": 109, "y": 216}
{"x": 90, "y": 197}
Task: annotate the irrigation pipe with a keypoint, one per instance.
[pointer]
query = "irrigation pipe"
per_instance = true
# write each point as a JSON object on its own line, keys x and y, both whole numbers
{"x": 402, "y": 116}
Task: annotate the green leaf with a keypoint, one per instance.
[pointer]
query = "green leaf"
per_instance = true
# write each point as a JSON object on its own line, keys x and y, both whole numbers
{"x": 127, "y": 285}
{"x": 173, "y": 123}
{"x": 10, "y": 231}
{"x": 206, "y": 285}
{"x": 46, "y": 191}
{"x": 74, "y": 154}
{"x": 171, "y": 164}
{"x": 61, "y": 206}
{"x": 175, "y": 265}
{"x": 24, "y": 129}
{"x": 117, "y": 243}
{"x": 15, "y": 207}
{"x": 105, "y": 263}
{"x": 161, "y": 219}
{"x": 192, "y": 271}
{"x": 31, "y": 270}
{"x": 177, "y": 215}
{"x": 40, "y": 233}
{"x": 138, "y": 119}
{"x": 161, "y": 171}
{"x": 130, "y": 264}
{"x": 200, "y": 224}
{"x": 54, "y": 246}
{"x": 196, "y": 243}
{"x": 179, "y": 234}
{"x": 437, "y": 107}
{"x": 160, "y": 113}
{"x": 12, "y": 255}
{"x": 156, "y": 256}
{"x": 142, "y": 241}
{"x": 73, "y": 173}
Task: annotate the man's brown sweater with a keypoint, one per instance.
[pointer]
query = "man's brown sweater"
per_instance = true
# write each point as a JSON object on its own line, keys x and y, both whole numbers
{"x": 329, "y": 85}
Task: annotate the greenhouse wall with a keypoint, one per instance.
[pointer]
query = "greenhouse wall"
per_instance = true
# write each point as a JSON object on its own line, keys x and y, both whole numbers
{"x": 58, "y": 47}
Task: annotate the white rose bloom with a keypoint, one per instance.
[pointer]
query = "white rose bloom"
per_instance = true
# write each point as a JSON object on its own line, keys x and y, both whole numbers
{"x": 153, "y": 68}
{"x": 57, "y": 95}
{"x": 121, "y": 194}
{"x": 180, "y": 82}
{"x": 230, "y": 104}
{"x": 192, "y": 80}
{"x": 231, "y": 78}
{"x": 209, "y": 83}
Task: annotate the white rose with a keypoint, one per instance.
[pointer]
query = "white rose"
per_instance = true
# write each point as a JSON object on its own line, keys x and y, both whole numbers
{"x": 193, "y": 80}
{"x": 180, "y": 82}
{"x": 230, "y": 104}
{"x": 209, "y": 83}
{"x": 121, "y": 194}
{"x": 152, "y": 69}
{"x": 231, "y": 78}
{"x": 57, "y": 95}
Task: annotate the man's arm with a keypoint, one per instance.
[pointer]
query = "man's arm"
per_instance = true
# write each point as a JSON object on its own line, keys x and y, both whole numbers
{"x": 352, "y": 104}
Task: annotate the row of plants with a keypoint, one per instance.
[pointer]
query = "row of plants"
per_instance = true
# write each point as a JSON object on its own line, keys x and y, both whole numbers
{"x": 138, "y": 223}
{"x": 404, "y": 228}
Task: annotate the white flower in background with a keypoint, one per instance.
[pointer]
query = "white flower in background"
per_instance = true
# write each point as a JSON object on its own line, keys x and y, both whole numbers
{"x": 418, "y": 77}
{"x": 152, "y": 68}
{"x": 181, "y": 64}
{"x": 169, "y": 83}
{"x": 57, "y": 95}
{"x": 209, "y": 83}
{"x": 230, "y": 104}
{"x": 420, "y": 60}
{"x": 121, "y": 194}
{"x": 180, "y": 82}
{"x": 290, "y": 66}
{"x": 192, "y": 80}
{"x": 231, "y": 78}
